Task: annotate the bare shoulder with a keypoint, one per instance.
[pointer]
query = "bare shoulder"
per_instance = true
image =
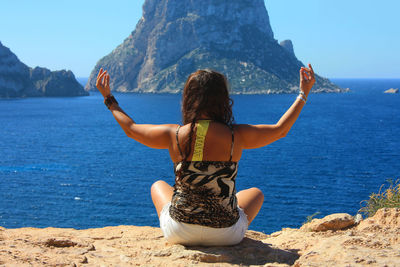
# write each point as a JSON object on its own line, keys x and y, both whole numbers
{"x": 153, "y": 135}
{"x": 254, "y": 136}
{"x": 241, "y": 129}
{"x": 240, "y": 132}
{"x": 164, "y": 128}
{"x": 168, "y": 128}
{"x": 247, "y": 128}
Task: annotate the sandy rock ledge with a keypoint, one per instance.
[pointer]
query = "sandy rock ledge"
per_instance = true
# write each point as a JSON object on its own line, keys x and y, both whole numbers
{"x": 373, "y": 242}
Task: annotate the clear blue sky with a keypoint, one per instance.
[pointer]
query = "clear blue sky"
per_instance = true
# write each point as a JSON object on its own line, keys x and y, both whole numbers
{"x": 342, "y": 38}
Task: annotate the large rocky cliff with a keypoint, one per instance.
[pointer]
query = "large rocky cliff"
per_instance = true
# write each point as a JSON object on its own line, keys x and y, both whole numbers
{"x": 176, "y": 37}
{"x": 19, "y": 80}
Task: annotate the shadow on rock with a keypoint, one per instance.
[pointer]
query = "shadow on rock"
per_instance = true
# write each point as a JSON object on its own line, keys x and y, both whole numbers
{"x": 248, "y": 252}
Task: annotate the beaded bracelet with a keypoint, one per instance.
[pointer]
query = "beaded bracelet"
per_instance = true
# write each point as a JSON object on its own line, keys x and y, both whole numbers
{"x": 109, "y": 100}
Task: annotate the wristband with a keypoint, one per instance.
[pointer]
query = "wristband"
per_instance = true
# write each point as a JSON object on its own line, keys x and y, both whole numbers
{"x": 109, "y": 100}
{"x": 302, "y": 98}
{"x": 303, "y": 94}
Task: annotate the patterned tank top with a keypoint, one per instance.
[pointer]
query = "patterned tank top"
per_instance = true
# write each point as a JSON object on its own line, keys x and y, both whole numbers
{"x": 204, "y": 191}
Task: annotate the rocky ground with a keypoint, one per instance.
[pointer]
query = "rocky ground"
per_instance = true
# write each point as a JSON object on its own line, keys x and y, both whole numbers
{"x": 336, "y": 240}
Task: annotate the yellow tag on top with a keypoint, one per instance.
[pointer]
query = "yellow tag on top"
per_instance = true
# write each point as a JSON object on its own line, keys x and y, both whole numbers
{"x": 201, "y": 132}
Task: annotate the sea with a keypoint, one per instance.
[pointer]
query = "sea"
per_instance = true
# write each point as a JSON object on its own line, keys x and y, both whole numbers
{"x": 65, "y": 162}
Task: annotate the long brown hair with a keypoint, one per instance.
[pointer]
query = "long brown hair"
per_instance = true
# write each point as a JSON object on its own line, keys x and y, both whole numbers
{"x": 205, "y": 94}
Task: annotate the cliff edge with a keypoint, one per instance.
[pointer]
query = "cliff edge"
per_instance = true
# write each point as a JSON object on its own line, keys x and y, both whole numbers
{"x": 336, "y": 240}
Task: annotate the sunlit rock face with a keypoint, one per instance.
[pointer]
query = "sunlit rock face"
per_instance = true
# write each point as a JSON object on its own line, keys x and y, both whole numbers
{"x": 176, "y": 37}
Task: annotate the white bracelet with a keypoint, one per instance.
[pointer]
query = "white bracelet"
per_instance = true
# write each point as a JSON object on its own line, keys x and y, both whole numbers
{"x": 303, "y": 94}
{"x": 302, "y": 98}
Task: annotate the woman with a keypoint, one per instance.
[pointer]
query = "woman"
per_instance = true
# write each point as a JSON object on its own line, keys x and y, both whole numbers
{"x": 203, "y": 208}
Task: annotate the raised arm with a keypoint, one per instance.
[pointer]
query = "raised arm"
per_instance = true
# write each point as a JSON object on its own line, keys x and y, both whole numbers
{"x": 255, "y": 136}
{"x": 154, "y": 136}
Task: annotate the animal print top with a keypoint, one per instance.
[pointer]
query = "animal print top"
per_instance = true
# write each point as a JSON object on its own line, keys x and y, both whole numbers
{"x": 205, "y": 193}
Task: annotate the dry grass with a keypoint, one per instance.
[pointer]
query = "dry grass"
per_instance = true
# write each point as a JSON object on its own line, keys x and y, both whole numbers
{"x": 311, "y": 217}
{"x": 387, "y": 197}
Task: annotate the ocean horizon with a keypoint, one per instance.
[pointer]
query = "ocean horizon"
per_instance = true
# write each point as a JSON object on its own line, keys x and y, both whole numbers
{"x": 67, "y": 163}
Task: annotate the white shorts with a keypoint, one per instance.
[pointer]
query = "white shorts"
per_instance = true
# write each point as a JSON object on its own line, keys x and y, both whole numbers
{"x": 198, "y": 235}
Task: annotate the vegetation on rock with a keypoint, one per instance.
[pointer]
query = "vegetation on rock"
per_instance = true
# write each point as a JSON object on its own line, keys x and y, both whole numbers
{"x": 387, "y": 197}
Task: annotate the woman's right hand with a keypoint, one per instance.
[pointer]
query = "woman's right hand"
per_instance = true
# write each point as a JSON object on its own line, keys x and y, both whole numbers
{"x": 103, "y": 83}
{"x": 307, "y": 79}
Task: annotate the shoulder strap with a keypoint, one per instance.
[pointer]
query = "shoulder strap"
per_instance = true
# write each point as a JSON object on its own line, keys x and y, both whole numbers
{"x": 233, "y": 142}
{"x": 177, "y": 142}
{"x": 202, "y": 128}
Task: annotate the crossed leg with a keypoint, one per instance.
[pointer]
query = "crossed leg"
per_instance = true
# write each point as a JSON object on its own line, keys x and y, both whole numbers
{"x": 250, "y": 200}
{"x": 161, "y": 194}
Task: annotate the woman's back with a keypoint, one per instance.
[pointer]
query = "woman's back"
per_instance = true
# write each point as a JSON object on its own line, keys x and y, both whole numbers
{"x": 205, "y": 191}
{"x": 220, "y": 143}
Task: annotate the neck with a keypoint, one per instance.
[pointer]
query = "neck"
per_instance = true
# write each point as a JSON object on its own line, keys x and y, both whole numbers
{"x": 203, "y": 117}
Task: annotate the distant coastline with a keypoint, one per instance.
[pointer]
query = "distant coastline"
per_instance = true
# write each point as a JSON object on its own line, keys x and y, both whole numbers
{"x": 343, "y": 82}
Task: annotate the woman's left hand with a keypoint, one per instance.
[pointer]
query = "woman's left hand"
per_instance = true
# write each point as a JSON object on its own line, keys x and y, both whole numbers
{"x": 103, "y": 83}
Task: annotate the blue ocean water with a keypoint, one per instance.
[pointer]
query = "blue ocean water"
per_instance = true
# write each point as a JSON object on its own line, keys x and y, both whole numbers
{"x": 65, "y": 162}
